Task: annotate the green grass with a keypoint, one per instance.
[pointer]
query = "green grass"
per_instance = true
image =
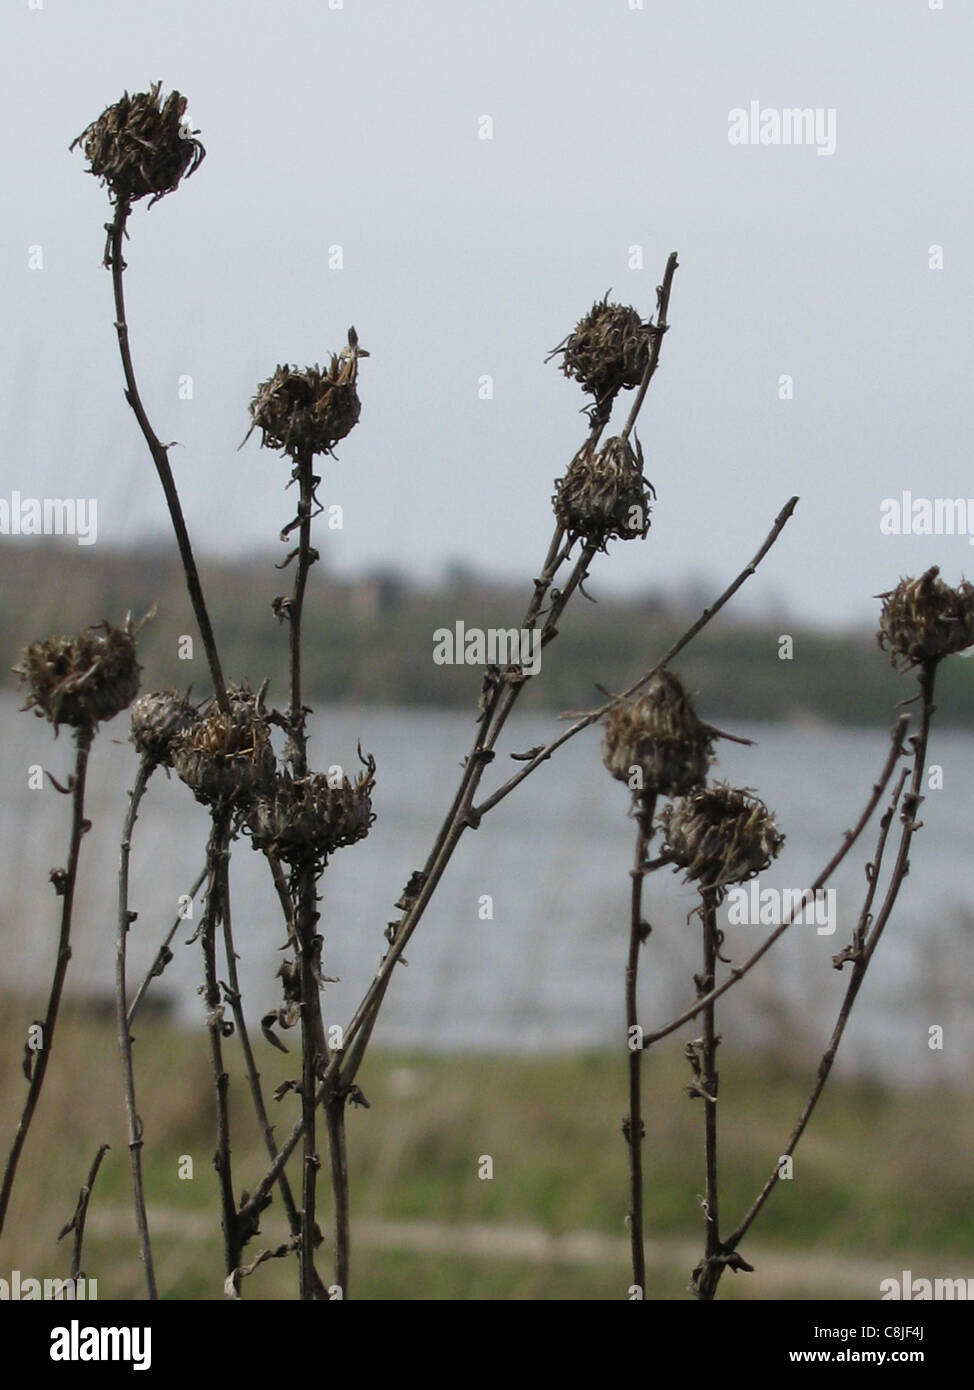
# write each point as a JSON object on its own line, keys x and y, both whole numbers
{"x": 881, "y": 1178}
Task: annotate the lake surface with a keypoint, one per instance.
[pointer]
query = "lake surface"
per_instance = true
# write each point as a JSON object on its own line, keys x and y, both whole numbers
{"x": 546, "y": 972}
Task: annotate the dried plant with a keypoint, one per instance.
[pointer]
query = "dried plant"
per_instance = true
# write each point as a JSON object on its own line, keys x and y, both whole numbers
{"x": 81, "y": 681}
{"x": 296, "y": 817}
{"x": 607, "y": 351}
{"x": 720, "y": 835}
{"x": 655, "y": 742}
{"x": 924, "y": 620}
{"x": 604, "y": 495}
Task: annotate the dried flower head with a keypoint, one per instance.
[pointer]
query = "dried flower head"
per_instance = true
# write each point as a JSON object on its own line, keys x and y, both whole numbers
{"x": 226, "y": 757}
{"x": 308, "y": 412}
{"x": 158, "y": 717}
{"x": 141, "y": 145}
{"x": 607, "y": 351}
{"x": 655, "y": 743}
{"x": 925, "y": 620}
{"x": 84, "y": 680}
{"x": 305, "y": 819}
{"x": 720, "y": 835}
{"x": 604, "y": 494}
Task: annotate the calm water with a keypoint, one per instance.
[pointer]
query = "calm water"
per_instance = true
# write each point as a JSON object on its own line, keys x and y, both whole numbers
{"x": 547, "y": 971}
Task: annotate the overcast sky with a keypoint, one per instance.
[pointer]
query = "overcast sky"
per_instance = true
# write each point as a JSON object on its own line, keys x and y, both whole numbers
{"x": 359, "y": 127}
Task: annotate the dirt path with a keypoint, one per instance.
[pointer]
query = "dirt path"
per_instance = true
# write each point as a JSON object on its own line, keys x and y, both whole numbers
{"x": 777, "y": 1273}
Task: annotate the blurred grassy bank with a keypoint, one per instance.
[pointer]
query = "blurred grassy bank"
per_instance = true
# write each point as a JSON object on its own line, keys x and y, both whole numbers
{"x": 882, "y": 1181}
{"x": 370, "y": 640}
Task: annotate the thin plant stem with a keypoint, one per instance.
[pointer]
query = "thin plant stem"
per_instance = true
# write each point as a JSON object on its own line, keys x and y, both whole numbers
{"x": 335, "y": 1120}
{"x": 851, "y": 836}
{"x": 310, "y": 1038}
{"x": 80, "y": 1217}
{"x": 234, "y": 995}
{"x": 662, "y": 308}
{"x": 216, "y": 851}
{"x": 297, "y": 748}
{"x": 65, "y": 884}
{"x": 133, "y": 1122}
{"x": 866, "y": 938}
{"x": 706, "y": 1274}
{"x": 305, "y": 900}
{"x": 828, "y": 1057}
{"x": 164, "y": 955}
{"x": 634, "y": 1129}
{"x": 462, "y": 813}
{"x": 593, "y": 716}
{"x": 160, "y": 456}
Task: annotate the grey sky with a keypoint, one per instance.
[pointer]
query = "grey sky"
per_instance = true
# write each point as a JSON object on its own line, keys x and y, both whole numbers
{"x": 359, "y": 127}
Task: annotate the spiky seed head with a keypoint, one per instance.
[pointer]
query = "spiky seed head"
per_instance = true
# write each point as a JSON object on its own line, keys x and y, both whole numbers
{"x": 308, "y": 412}
{"x": 720, "y": 835}
{"x": 304, "y": 820}
{"x": 659, "y": 734}
{"x": 924, "y": 620}
{"x": 81, "y": 681}
{"x": 158, "y": 717}
{"x": 226, "y": 758}
{"x": 607, "y": 351}
{"x": 141, "y": 146}
{"x": 604, "y": 494}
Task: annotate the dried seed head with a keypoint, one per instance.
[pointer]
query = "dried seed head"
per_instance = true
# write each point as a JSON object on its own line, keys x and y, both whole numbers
{"x": 306, "y": 819}
{"x": 925, "y": 620}
{"x": 157, "y": 718}
{"x": 608, "y": 350}
{"x": 226, "y": 757}
{"x": 659, "y": 734}
{"x": 604, "y": 494}
{"x": 720, "y": 835}
{"x": 308, "y": 412}
{"x": 142, "y": 146}
{"x": 84, "y": 680}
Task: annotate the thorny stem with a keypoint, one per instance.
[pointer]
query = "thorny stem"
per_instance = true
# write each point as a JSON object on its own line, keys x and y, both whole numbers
{"x": 866, "y": 937}
{"x": 707, "y": 1273}
{"x": 297, "y": 748}
{"x": 217, "y": 851}
{"x": 134, "y": 1123}
{"x": 851, "y": 836}
{"x": 311, "y": 1031}
{"x": 160, "y": 456}
{"x": 633, "y": 1128}
{"x": 36, "y": 1061}
{"x": 305, "y": 916}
